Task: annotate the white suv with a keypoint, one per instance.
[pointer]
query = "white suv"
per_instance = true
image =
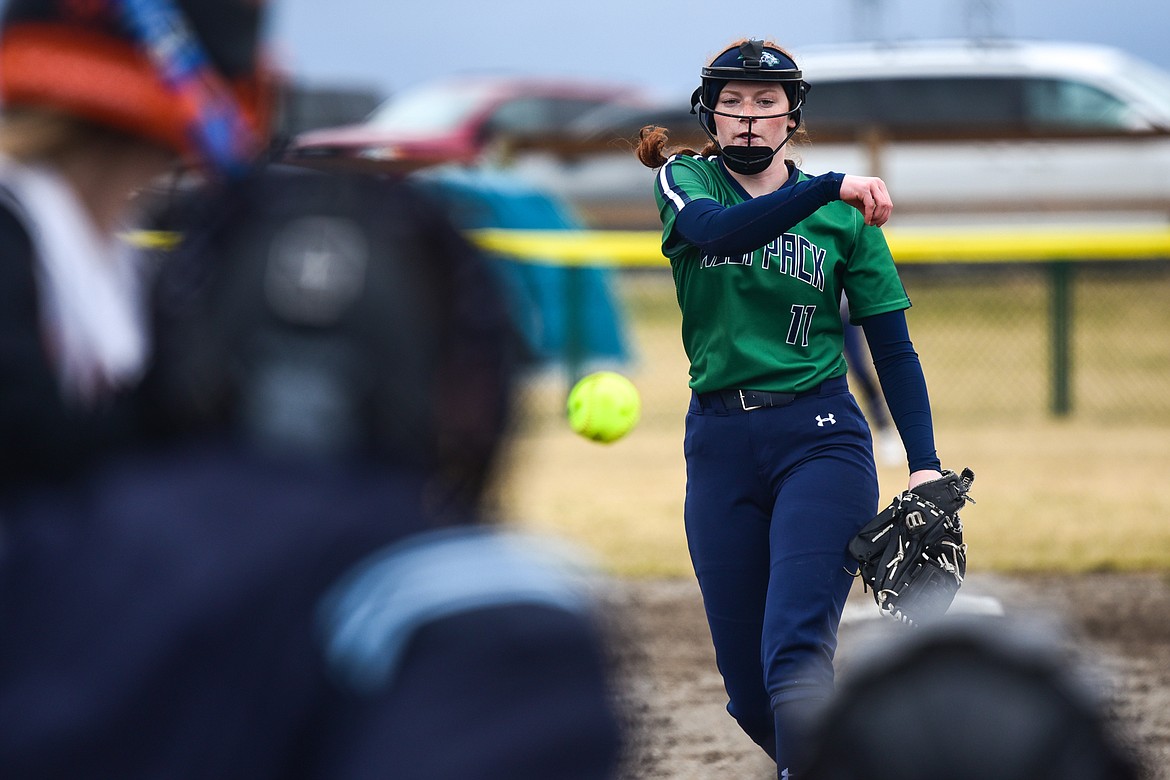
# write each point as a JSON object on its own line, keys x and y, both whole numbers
{"x": 1015, "y": 129}
{"x": 1001, "y": 130}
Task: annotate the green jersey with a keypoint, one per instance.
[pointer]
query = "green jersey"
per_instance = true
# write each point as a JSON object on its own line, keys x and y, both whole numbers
{"x": 770, "y": 319}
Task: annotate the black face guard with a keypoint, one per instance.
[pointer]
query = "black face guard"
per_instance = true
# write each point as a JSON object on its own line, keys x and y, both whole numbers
{"x": 745, "y": 159}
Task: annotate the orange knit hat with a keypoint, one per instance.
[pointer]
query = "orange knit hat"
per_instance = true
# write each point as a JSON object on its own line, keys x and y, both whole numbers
{"x": 169, "y": 71}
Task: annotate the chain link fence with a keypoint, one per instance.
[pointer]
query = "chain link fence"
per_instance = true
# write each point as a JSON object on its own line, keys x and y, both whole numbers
{"x": 1091, "y": 340}
{"x": 998, "y": 341}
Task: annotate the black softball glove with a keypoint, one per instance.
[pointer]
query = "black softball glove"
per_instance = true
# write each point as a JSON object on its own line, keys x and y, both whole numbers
{"x": 912, "y": 554}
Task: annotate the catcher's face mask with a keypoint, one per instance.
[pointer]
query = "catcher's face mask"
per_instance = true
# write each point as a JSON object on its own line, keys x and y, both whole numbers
{"x": 751, "y": 62}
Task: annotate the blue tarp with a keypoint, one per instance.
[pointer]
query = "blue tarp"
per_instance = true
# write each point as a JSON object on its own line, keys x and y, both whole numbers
{"x": 567, "y": 315}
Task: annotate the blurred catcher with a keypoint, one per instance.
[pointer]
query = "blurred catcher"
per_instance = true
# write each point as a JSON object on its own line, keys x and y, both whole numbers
{"x": 293, "y": 577}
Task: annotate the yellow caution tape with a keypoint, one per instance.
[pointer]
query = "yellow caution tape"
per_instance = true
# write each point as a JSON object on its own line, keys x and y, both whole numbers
{"x": 153, "y": 239}
{"x": 642, "y": 248}
{"x": 908, "y": 245}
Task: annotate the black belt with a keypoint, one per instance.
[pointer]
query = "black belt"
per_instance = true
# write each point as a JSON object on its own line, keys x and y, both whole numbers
{"x": 747, "y": 400}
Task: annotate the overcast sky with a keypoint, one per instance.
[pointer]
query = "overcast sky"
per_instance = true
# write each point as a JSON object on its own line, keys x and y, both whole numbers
{"x": 659, "y": 46}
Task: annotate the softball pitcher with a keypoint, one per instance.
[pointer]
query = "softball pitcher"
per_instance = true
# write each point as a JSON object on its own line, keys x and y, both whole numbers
{"x": 780, "y": 463}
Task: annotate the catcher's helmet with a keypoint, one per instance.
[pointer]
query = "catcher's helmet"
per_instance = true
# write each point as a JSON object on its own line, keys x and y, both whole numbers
{"x": 332, "y": 315}
{"x": 752, "y": 60}
{"x": 971, "y": 698}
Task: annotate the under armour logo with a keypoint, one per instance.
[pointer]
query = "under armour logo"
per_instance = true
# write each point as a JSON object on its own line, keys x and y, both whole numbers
{"x": 822, "y": 420}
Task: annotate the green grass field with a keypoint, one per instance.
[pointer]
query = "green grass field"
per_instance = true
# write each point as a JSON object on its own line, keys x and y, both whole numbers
{"x": 1086, "y": 492}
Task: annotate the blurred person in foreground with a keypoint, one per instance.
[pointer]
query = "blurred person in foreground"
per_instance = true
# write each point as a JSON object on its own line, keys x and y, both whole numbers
{"x": 972, "y": 697}
{"x": 294, "y": 576}
{"x": 99, "y": 99}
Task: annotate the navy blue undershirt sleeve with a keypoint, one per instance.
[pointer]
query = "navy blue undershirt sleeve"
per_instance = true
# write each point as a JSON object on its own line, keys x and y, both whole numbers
{"x": 903, "y": 385}
{"x": 734, "y": 230}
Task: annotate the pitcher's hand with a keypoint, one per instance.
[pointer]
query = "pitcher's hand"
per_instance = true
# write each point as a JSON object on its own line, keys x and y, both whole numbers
{"x": 868, "y": 195}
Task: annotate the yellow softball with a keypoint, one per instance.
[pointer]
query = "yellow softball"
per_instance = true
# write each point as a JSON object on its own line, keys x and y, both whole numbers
{"x": 604, "y": 406}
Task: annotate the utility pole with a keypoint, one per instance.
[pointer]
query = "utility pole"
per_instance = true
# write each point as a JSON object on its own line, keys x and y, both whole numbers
{"x": 867, "y": 20}
{"x": 983, "y": 19}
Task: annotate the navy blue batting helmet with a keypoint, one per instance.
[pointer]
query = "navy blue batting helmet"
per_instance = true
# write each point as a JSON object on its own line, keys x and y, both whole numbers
{"x": 750, "y": 61}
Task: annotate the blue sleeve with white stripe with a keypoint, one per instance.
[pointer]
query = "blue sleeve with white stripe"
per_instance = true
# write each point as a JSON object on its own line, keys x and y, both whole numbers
{"x": 368, "y": 619}
{"x": 467, "y": 652}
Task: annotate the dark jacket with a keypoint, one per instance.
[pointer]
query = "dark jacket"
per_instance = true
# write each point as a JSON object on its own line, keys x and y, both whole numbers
{"x": 42, "y": 438}
{"x": 212, "y": 613}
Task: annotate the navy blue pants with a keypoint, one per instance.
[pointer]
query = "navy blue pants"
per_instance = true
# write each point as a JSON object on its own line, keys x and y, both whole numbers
{"x": 773, "y": 497}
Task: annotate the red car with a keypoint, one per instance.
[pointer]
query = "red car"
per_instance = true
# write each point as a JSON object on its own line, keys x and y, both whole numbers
{"x": 456, "y": 121}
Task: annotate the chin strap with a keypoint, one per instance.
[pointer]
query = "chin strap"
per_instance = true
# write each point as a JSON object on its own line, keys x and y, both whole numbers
{"x": 748, "y": 160}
